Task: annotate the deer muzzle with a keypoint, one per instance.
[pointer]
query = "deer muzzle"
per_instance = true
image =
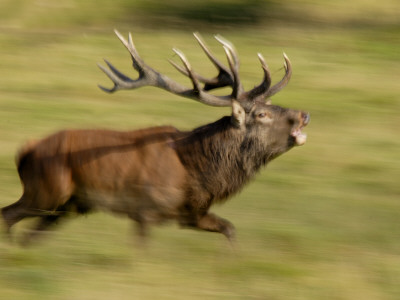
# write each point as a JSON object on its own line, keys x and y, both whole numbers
{"x": 300, "y": 137}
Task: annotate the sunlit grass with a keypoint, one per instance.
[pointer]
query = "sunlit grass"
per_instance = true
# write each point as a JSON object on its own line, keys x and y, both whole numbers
{"x": 321, "y": 222}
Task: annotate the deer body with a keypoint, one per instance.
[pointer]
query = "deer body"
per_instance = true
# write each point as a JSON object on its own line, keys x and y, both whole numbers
{"x": 158, "y": 174}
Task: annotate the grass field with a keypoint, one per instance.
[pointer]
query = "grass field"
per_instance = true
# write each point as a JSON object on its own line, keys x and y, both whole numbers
{"x": 320, "y": 222}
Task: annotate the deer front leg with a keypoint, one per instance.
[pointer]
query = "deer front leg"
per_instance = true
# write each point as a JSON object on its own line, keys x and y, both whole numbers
{"x": 214, "y": 223}
{"x": 210, "y": 222}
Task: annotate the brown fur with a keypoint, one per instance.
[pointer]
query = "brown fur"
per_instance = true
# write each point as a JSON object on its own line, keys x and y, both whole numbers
{"x": 150, "y": 175}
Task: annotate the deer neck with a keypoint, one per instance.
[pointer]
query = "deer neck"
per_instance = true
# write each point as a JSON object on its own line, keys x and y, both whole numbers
{"x": 215, "y": 156}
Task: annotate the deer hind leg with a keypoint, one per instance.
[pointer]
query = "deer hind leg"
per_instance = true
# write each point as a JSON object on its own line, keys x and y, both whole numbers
{"x": 34, "y": 204}
{"x": 44, "y": 223}
{"x": 14, "y": 213}
{"x": 22, "y": 209}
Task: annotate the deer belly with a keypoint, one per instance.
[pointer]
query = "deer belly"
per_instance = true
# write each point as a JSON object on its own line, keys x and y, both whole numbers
{"x": 147, "y": 203}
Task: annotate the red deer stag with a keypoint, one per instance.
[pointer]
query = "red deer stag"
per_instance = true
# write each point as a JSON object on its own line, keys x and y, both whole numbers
{"x": 158, "y": 174}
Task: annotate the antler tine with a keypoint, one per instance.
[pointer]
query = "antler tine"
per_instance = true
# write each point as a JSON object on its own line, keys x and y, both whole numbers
{"x": 233, "y": 61}
{"x": 178, "y": 67}
{"x": 188, "y": 68}
{"x": 119, "y": 79}
{"x": 186, "y": 73}
{"x": 138, "y": 63}
{"x": 261, "y": 89}
{"x": 224, "y": 77}
{"x": 197, "y": 92}
{"x": 284, "y": 81}
{"x": 209, "y": 54}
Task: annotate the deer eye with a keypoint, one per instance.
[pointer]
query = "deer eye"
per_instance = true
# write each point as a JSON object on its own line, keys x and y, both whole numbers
{"x": 262, "y": 115}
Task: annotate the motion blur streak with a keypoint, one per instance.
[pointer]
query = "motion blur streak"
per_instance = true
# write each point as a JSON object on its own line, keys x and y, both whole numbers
{"x": 320, "y": 222}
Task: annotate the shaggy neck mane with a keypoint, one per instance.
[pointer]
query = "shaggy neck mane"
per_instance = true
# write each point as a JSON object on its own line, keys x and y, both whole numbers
{"x": 220, "y": 157}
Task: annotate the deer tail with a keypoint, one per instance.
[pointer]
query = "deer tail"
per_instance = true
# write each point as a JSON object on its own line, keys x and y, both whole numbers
{"x": 23, "y": 153}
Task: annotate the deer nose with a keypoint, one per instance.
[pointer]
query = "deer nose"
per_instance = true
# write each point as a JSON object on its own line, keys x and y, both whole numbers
{"x": 306, "y": 118}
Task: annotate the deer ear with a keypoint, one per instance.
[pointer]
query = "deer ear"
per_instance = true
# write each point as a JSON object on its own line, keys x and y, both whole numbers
{"x": 238, "y": 114}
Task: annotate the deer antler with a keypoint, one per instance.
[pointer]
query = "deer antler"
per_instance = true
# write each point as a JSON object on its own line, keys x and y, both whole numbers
{"x": 264, "y": 91}
{"x": 149, "y": 76}
{"x": 226, "y": 77}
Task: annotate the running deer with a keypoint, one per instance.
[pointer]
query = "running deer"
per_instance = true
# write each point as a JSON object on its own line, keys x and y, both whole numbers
{"x": 158, "y": 174}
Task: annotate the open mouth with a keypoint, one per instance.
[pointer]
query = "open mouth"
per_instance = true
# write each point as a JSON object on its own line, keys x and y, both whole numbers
{"x": 299, "y": 136}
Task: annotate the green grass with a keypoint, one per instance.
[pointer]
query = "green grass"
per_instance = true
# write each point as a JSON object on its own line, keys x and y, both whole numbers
{"x": 321, "y": 222}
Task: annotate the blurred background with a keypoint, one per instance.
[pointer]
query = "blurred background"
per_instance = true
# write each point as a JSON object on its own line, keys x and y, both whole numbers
{"x": 321, "y": 222}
